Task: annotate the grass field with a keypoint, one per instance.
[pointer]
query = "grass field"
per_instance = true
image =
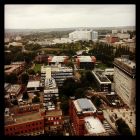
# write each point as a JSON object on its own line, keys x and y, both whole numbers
{"x": 37, "y": 67}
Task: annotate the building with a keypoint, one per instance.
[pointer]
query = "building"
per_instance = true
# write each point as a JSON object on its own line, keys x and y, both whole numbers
{"x": 58, "y": 72}
{"x": 34, "y": 86}
{"x": 103, "y": 83}
{"x": 85, "y": 62}
{"x": 50, "y": 92}
{"x": 29, "y": 124}
{"x": 112, "y": 38}
{"x": 84, "y": 35}
{"x": 83, "y": 113}
{"x": 41, "y": 58}
{"x": 14, "y": 67}
{"x": 13, "y": 90}
{"x": 114, "y": 31}
{"x": 123, "y": 36}
{"x": 53, "y": 121}
{"x": 109, "y": 72}
{"x": 57, "y": 59}
{"x": 94, "y": 127}
{"x": 125, "y": 80}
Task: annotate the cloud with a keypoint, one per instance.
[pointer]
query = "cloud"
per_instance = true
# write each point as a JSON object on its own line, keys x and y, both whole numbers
{"x": 51, "y": 16}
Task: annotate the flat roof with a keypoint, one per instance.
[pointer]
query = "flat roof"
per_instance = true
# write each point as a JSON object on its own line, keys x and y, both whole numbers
{"x": 13, "y": 88}
{"x": 58, "y": 58}
{"x": 84, "y": 105}
{"x": 32, "y": 84}
{"x": 25, "y": 118}
{"x": 101, "y": 78}
{"x": 129, "y": 63}
{"x": 54, "y": 113}
{"x": 10, "y": 68}
{"x": 94, "y": 125}
{"x": 84, "y": 58}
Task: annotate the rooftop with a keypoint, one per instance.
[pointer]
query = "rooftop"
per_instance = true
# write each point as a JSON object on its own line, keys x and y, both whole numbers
{"x": 14, "y": 88}
{"x": 85, "y": 58}
{"x": 100, "y": 77}
{"x": 10, "y": 68}
{"x": 54, "y": 113}
{"x": 94, "y": 125}
{"x": 58, "y": 58}
{"x": 84, "y": 105}
{"x": 25, "y": 118}
{"x": 32, "y": 84}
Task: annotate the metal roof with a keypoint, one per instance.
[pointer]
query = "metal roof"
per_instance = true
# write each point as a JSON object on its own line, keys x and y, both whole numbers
{"x": 84, "y": 104}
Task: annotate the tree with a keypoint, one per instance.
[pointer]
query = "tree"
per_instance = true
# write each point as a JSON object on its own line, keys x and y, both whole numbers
{"x": 97, "y": 102}
{"x": 31, "y": 72}
{"x": 69, "y": 87}
{"x": 37, "y": 94}
{"x": 122, "y": 127}
{"x": 25, "y": 96}
{"x": 12, "y": 78}
{"x": 36, "y": 99}
{"x": 54, "y": 100}
{"x": 79, "y": 93}
{"x": 24, "y": 78}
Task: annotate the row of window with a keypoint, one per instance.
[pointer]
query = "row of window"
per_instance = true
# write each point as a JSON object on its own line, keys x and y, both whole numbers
{"x": 54, "y": 118}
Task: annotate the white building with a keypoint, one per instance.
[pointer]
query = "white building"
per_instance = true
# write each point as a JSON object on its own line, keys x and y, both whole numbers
{"x": 125, "y": 80}
{"x": 84, "y": 35}
{"x": 123, "y": 35}
{"x": 114, "y": 31}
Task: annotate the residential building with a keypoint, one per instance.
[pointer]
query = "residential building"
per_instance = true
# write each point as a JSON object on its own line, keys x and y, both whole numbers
{"x": 125, "y": 80}
{"x": 42, "y": 58}
{"x": 103, "y": 83}
{"x": 123, "y": 36}
{"x": 85, "y": 62}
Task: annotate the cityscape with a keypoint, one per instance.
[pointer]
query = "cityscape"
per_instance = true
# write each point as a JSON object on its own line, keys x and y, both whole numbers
{"x": 69, "y": 70}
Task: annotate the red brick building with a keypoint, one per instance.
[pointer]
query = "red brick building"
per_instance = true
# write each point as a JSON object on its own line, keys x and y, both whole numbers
{"x": 80, "y": 109}
{"x": 112, "y": 38}
{"x": 27, "y": 124}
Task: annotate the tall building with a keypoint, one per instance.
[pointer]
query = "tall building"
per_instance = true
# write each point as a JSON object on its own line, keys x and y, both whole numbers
{"x": 57, "y": 72}
{"x": 84, "y": 35}
{"x": 125, "y": 80}
{"x": 84, "y": 116}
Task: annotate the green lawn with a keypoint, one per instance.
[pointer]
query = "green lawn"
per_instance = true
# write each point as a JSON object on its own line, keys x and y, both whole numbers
{"x": 37, "y": 67}
{"x": 101, "y": 66}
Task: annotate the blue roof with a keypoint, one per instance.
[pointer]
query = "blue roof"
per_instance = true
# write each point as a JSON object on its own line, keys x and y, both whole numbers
{"x": 85, "y": 104}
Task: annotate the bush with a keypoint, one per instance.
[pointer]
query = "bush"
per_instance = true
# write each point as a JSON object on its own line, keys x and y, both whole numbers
{"x": 25, "y": 96}
{"x": 122, "y": 127}
{"x": 36, "y": 99}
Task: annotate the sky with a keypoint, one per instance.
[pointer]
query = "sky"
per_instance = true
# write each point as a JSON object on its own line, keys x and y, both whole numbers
{"x": 66, "y": 16}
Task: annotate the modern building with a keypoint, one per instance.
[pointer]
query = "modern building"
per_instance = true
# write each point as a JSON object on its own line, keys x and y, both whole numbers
{"x": 103, "y": 83}
{"x": 85, "y": 62}
{"x": 84, "y": 116}
{"x": 50, "y": 92}
{"x": 29, "y": 124}
{"x": 57, "y": 59}
{"x": 125, "y": 80}
{"x": 57, "y": 72}
{"x": 84, "y": 35}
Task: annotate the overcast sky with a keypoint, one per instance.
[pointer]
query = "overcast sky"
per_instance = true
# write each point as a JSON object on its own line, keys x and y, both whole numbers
{"x": 63, "y": 16}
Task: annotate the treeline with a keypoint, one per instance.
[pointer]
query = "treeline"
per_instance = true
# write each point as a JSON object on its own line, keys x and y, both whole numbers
{"x": 106, "y": 53}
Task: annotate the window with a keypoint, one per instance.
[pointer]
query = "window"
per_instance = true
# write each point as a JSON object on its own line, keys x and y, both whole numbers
{"x": 48, "y": 118}
{"x": 59, "y": 117}
{"x": 51, "y": 118}
{"x": 54, "y": 123}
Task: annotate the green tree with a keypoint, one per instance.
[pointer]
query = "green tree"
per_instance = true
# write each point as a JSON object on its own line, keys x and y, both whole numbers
{"x": 36, "y": 99}
{"x": 97, "y": 102}
{"x": 122, "y": 127}
{"x": 24, "y": 78}
{"x": 31, "y": 72}
{"x": 25, "y": 96}
{"x": 12, "y": 78}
